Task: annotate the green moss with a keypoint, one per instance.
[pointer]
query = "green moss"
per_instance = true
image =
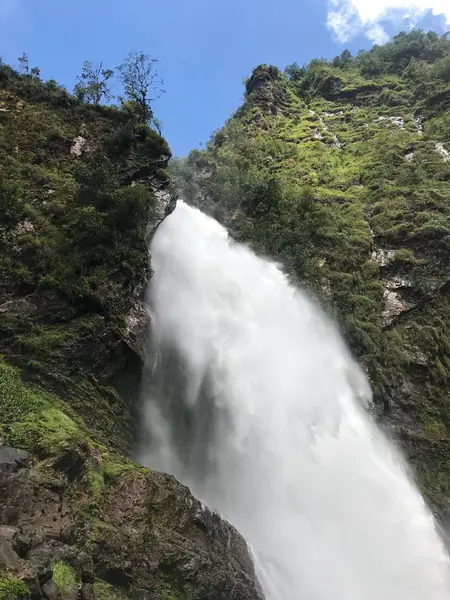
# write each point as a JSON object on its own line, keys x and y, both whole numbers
{"x": 104, "y": 591}
{"x": 105, "y": 472}
{"x": 64, "y": 576}
{"x": 404, "y": 256}
{"x": 434, "y": 429}
{"x": 442, "y": 371}
{"x": 46, "y": 338}
{"x": 17, "y": 401}
{"x": 96, "y": 483}
{"x": 370, "y": 270}
{"x": 169, "y": 592}
{"x": 12, "y": 588}
{"x": 50, "y": 432}
{"x": 112, "y": 470}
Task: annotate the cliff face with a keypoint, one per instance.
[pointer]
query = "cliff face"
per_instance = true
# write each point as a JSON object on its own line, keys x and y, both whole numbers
{"x": 82, "y": 188}
{"x": 340, "y": 170}
{"x": 78, "y": 185}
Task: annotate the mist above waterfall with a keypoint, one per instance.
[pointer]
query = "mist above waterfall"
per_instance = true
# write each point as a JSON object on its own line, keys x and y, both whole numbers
{"x": 256, "y": 404}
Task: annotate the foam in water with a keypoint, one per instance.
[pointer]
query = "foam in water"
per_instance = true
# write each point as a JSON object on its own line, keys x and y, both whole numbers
{"x": 255, "y": 403}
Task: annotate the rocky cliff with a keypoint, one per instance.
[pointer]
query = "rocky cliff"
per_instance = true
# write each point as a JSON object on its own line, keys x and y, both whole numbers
{"x": 340, "y": 170}
{"x": 82, "y": 188}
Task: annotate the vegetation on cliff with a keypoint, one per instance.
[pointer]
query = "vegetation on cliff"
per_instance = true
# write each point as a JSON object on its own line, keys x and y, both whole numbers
{"x": 82, "y": 187}
{"x": 340, "y": 170}
{"x": 79, "y": 184}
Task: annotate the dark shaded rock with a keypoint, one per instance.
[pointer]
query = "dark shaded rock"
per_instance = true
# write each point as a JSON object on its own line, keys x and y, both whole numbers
{"x": 84, "y": 565}
{"x": 71, "y": 462}
{"x": 12, "y": 459}
{"x": 87, "y": 592}
{"x": 32, "y": 582}
{"x": 23, "y": 543}
{"x": 51, "y": 591}
{"x": 45, "y": 576}
{"x": 267, "y": 89}
{"x": 115, "y": 576}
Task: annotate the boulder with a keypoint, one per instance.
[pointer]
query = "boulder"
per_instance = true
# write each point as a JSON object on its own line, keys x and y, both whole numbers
{"x": 51, "y": 591}
{"x": 12, "y": 459}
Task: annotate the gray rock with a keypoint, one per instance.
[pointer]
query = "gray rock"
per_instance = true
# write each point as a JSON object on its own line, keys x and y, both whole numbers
{"x": 31, "y": 580}
{"x": 398, "y": 282}
{"x": 383, "y": 256}
{"x": 8, "y": 533}
{"x": 164, "y": 205}
{"x": 17, "y": 307}
{"x": 8, "y": 558}
{"x": 72, "y": 594}
{"x": 25, "y": 226}
{"x": 87, "y": 592}
{"x": 394, "y": 305}
{"x": 137, "y": 324}
{"x": 51, "y": 591}
{"x": 418, "y": 121}
{"x": 441, "y": 149}
{"x": 12, "y": 459}
{"x": 78, "y": 145}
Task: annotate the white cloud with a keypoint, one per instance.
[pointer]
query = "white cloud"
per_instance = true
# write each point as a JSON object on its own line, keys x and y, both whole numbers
{"x": 377, "y": 34}
{"x": 347, "y": 18}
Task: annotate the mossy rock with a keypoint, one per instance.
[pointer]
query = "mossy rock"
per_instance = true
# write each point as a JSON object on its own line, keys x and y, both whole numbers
{"x": 11, "y": 588}
{"x": 65, "y": 578}
{"x": 105, "y": 591}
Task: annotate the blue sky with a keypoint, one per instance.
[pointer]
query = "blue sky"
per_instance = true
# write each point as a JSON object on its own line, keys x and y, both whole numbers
{"x": 205, "y": 47}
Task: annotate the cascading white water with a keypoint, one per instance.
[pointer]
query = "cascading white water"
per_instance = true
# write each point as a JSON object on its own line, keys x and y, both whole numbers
{"x": 255, "y": 403}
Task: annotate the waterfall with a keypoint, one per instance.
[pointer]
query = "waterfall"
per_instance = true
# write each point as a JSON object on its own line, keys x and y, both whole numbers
{"x": 256, "y": 404}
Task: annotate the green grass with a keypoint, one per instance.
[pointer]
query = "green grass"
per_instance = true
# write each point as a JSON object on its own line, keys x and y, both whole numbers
{"x": 104, "y": 591}
{"x": 12, "y": 588}
{"x": 434, "y": 430}
{"x": 17, "y": 401}
{"x": 46, "y": 338}
{"x": 64, "y": 576}
{"x": 48, "y": 433}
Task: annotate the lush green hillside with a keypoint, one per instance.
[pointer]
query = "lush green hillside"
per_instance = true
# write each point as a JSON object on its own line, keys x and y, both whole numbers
{"x": 82, "y": 187}
{"x": 73, "y": 257}
{"x": 341, "y": 171}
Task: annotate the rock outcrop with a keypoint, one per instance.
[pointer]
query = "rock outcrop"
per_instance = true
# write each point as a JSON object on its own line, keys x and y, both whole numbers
{"x": 268, "y": 90}
{"x": 142, "y": 535}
